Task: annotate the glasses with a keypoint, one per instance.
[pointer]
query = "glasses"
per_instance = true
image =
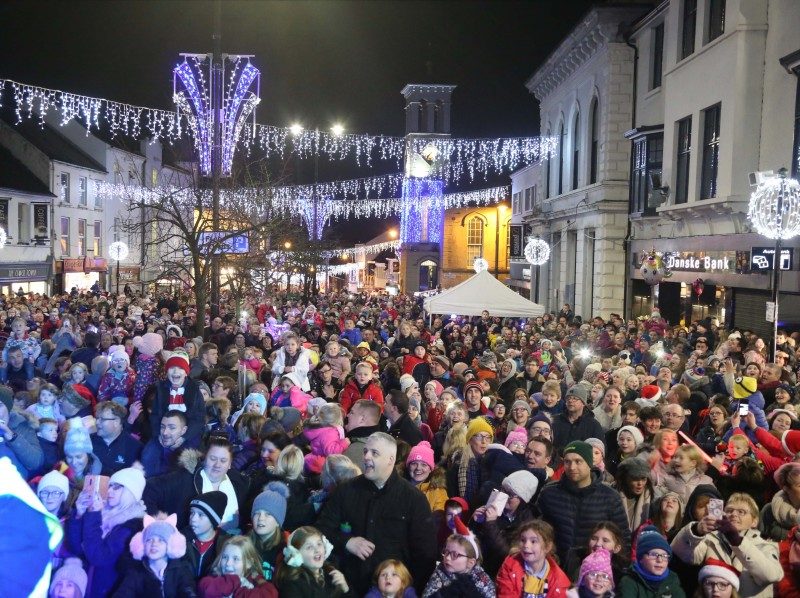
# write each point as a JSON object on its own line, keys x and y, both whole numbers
{"x": 107, "y": 419}
{"x": 483, "y": 437}
{"x": 519, "y": 409}
{"x": 517, "y": 445}
{"x": 599, "y": 576}
{"x": 657, "y": 556}
{"x": 737, "y": 512}
{"x": 542, "y": 431}
{"x": 716, "y": 585}
{"x": 453, "y": 555}
{"x": 55, "y": 494}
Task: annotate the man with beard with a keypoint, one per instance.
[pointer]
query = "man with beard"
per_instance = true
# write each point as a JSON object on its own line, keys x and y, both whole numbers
{"x": 161, "y": 453}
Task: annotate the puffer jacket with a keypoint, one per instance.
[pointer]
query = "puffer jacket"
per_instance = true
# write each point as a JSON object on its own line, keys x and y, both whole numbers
{"x": 633, "y": 585}
{"x": 139, "y": 580}
{"x": 675, "y": 482}
{"x": 325, "y": 440}
{"x": 351, "y": 393}
{"x": 573, "y": 512}
{"x": 512, "y": 574}
{"x": 26, "y": 447}
{"x": 755, "y": 557}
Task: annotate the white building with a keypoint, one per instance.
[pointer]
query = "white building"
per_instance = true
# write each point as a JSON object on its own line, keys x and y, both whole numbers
{"x": 716, "y": 99}
{"x": 578, "y": 200}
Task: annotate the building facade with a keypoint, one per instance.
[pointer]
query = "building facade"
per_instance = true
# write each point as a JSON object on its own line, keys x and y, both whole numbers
{"x": 475, "y": 232}
{"x": 716, "y": 99}
{"x": 577, "y": 201}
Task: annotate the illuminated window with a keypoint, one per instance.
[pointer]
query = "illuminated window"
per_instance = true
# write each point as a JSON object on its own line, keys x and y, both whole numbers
{"x": 98, "y": 238}
{"x": 65, "y": 242}
{"x": 474, "y": 240}
{"x": 81, "y": 236}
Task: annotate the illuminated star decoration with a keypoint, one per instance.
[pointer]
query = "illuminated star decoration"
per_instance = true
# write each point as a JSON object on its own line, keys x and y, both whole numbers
{"x": 537, "y": 252}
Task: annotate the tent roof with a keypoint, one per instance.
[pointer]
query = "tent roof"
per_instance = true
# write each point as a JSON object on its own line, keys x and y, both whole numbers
{"x": 480, "y": 292}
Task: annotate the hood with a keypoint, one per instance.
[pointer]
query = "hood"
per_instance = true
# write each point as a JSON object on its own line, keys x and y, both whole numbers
{"x": 701, "y": 490}
{"x": 513, "y": 371}
{"x": 190, "y": 460}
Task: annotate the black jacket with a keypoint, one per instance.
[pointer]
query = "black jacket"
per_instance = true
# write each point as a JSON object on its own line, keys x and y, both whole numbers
{"x": 200, "y": 564}
{"x": 195, "y": 409}
{"x": 123, "y": 451}
{"x": 139, "y": 580}
{"x": 405, "y": 429}
{"x": 172, "y": 492}
{"x": 396, "y": 518}
{"x": 585, "y": 427}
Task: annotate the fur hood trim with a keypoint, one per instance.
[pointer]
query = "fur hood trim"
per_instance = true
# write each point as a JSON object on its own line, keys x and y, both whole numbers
{"x": 190, "y": 460}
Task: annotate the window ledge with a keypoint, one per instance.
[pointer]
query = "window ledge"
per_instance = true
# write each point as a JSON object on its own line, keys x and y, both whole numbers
{"x": 716, "y": 206}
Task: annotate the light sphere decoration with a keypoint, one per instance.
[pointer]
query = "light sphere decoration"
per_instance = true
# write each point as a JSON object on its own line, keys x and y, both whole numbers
{"x": 3, "y": 237}
{"x": 118, "y": 251}
{"x": 774, "y": 208}
{"x": 480, "y": 264}
{"x": 654, "y": 269}
{"x": 537, "y": 252}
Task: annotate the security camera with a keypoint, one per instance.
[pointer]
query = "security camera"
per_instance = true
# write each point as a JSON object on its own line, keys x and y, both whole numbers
{"x": 756, "y": 178}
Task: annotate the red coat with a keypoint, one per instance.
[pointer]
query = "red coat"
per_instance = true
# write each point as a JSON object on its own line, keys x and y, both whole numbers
{"x": 219, "y": 586}
{"x": 350, "y": 394}
{"x": 789, "y": 586}
{"x": 512, "y": 573}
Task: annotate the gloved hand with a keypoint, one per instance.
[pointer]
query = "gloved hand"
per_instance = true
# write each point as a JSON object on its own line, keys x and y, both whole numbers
{"x": 726, "y": 527}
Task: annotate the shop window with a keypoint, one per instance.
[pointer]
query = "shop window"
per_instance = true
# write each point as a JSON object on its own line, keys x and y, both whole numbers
{"x": 647, "y": 161}
{"x": 83, "y": 191}
{"x": 528, "y": 199}
{"x": 716, "y": 19}
{"x": 64, "y": 191}
{"x": 65, "y": 241}
{"x": 515, "y": 203}
{"x": 98, "y": 238}
{"x": 657, "y": 67}
{"x": 474, "y": 240}
{"x": 683, "y": 156}
{"x": 711, "y": 124}
{"x": 594, "y": 151}
{"x": 81, "y": 236}
{"x": 688, "y": 27}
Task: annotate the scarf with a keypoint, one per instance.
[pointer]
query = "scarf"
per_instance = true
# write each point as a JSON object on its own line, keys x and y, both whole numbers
{"x": 290, "y": 360}
{"x": 176, "y": 399}
{"x": 794, "y": 551}
{"x": 469, "y": 476}
{"x": 652, "y": 580}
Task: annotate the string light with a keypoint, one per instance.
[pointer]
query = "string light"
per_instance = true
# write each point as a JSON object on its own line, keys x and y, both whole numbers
{"x": 422, "y": 210}
{"x": 323, "y": 212}
{"x": 363, "y": 249}
{"x": 774, "y": 208}
{"x": 456, "y": 158}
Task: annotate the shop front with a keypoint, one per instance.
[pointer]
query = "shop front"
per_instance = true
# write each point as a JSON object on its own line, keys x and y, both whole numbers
{"x": 81, "y": 273}
{"x": 29, "y": 277}
{"x": 727, "y": 278}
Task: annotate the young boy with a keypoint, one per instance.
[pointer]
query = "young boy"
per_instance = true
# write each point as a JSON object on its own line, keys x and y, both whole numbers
{"x": 179, "y": 392}
{"x": 361, "y": 386}
{"x": 47, "y": 435}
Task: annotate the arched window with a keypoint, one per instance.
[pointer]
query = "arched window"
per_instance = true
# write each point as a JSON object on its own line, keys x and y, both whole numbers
{"x": 561, "y": 162}
{"x": 594, "y": 148}
{"x": 547, "y": 174}
{"x": 474, "y": 239}
{"x": 576, "y": 148}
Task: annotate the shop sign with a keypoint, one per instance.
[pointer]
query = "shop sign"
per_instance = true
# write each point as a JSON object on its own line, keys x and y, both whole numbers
{"x": 526, "y": 274}
{"x": 73, "y": 266}
{"x": 708, "y": 261}
{"x": 517, "y": 250}
{"x": 763, "y": 259}
{"x": 40, "y": 219}
{"x": 25, "y": 271}
{"x": 97, "y": 264}
{"x": 129, "y": 273}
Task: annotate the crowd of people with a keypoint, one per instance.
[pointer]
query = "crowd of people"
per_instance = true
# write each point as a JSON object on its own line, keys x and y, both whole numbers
{"x": 351, "y": 445}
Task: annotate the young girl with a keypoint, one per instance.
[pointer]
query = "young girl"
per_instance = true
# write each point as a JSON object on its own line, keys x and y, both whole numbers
{"x": 392, "y": 580}
{"x": 325, "y": 433}
{"x": 69, "y": 581}
{"x": 248, "y": 428}
{"x": 305, "y": 570}
{"x": 340, "y": 365}
{"x": 686, "y": 472}
{"x": 460, "y": 573}
{"x": 668, "y": 514}
{"x": 292, "y": 359}
{"x": 268, "y": 515}
{"x": 531, "y": 569}
{"x": 47, "y": 407}
{"x": 253, "y": 361}
{"x": 76, "y": 374}
{"x": 237, "y": 572}
{"x": 418, "y": 363}
{"x": 117, "y": 383}
{"x": 159, "y": 568}
{"x": 289, "y": 393}
{"x": 596, "y": 578}
{"x": 629, "y": 438}
{"x": 606, "y": 535}
{"x": 665, "y": 443}
{"x": 650, "y": 575}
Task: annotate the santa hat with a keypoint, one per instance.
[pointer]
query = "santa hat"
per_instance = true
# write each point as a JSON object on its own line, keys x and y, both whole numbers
{"x": 463, "y": 531}
{"x": 651, "y": 392}
{"x": 178, "y": 360}
{"x": 175, "y": 329}
{"x": 721, "y": 569}
{"x": 791, "y": 442}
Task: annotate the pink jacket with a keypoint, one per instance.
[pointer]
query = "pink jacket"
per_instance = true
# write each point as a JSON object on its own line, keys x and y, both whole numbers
{"x": 324, "y": 441}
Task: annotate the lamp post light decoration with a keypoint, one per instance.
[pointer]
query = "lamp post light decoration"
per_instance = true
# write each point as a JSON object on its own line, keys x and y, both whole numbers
{"x": 537, "y": 251}
{"x": 480, "y": 264}
{"x": 118, "y": 252}
{"x": 774, "y": 212}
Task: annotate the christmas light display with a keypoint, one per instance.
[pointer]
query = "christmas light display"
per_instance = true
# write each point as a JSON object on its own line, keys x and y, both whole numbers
{"x": 422, "y": 211}
{"x": 774, "y": 208}
{"x": 315, "y": 219}
{"x": 456, "y": 158}
{"x": 480, "y": 264}
{"x": 118, "y": 251}
{"x": 366, "y": 249}
{"x": 537, "y": 251}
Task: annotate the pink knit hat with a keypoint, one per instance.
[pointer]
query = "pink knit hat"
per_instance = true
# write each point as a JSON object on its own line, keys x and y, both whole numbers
{"x": 518, "y": 435}
{"x": 598, "y": 561}
{"x": 422, "y": 452}
{"x": 437, "y": 387}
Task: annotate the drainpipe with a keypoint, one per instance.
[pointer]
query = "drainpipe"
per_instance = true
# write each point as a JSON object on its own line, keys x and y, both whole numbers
{"x": 626, "y": 243}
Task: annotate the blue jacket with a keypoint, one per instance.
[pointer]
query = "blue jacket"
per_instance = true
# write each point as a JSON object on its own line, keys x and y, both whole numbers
{"x": 353, "y": 336}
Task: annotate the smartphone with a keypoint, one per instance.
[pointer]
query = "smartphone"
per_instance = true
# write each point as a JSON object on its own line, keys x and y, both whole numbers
{"x": 744, "y": 409}
{"x": 96, "y": 484}
{"x": 715, "y": 508}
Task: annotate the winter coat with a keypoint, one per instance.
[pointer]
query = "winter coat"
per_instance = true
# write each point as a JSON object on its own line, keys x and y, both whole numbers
{"x": 139, "y": 580}
{"x": 777, "y": 518}
{"x": 351, "y": 393}
{"x": 222, "y": 586}
{"x": 112, "y": 386}
{"x": 475, "y": 584}
{"x": 708, "y": 439}
{"x": 573, "y": 512}
{"x": 148, "y": 373}
{"x": 405, "y": 429}
{"x": 420, "y": 369}
{"x": 107, "y": 556}
{"x": 512, "y": 575}
{"x": 633, "y": 585}
{"x": 301, "y": 368}
{"x": 585, "y": 427}
{"x": 756, "y": 402}
{"x": 376, "y": 593}
{"x": 435, "y": 490}
{"x": 195, "y": 410}
{"x": 531, "y": 385}
{"x": 396, "y": 518}
{"x": 25, "y": 446}
{"x": 297, "y": 397}
{"x": 497, "y": 537}
{"x": 123, "y": 452}
{"x": 682, "y": 486}
{"x": 326, "y": 440}
{"x": 246, "y": 456}
{"x": 299, "y": 511}
{"x": 755, "y": 557}
{"x": 301, "y": 588}
{"x": 200, "y": 564}
{"x": 172, "y": 492}
{"x": 340, "y": 365}
{"x": 789, "y": 586}
{"x": 641, "y": 511}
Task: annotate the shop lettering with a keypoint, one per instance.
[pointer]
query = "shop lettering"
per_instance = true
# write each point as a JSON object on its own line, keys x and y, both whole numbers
{"x": 694, "y": 263}
{"x": 22, "y": 272}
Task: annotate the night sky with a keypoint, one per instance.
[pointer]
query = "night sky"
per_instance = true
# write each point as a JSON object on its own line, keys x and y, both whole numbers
{"x": 321, "y": 62}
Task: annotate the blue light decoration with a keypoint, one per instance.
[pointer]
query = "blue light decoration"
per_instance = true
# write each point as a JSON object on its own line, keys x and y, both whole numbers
{"x": 422, "y": 211}
{"x": 324, "y": 210}
{"x": 196, "y": 102}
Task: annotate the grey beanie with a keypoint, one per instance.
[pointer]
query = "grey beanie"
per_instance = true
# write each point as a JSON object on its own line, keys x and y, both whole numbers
{"x": 272, "y": 501}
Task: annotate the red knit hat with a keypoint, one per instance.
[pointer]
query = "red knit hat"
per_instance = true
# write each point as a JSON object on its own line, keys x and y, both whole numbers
{"x": 178, "y": 360}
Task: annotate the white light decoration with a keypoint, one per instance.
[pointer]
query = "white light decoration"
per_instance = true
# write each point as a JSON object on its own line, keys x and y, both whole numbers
{"x": 118, "y": 251}
{"x": 774, "y": 208}
{"x": 365, "y": 249}
{"x": 537, "y": 252}
{"x": 480, "y": 264}
{"x": 3, "y": 237}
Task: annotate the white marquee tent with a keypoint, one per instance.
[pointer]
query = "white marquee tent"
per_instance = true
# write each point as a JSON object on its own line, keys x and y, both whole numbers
{"x": 482, "y": 292}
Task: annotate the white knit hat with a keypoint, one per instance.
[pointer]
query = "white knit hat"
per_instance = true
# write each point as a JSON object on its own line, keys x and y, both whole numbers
{"x": 638, "y": 437}
{"x": 55, "y": 479}
{"x": 130, "y": 478}
{"x": 406, "y": 382}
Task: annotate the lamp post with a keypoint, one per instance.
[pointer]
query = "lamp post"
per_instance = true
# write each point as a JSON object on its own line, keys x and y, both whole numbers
{"x": 774, "y": 212}
{"x": 501, "y": 209}
{"x": 287, "y": 246}
{"x": 118, "y": 252}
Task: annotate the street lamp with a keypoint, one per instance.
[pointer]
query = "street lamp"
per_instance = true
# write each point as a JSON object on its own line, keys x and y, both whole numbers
{"x": 393, "y": 233}
{"x": 118, "y": 251}
{"x": 774, "y": 211}
{"x": 286, "y": 246}
{"x": 501, "y": 209}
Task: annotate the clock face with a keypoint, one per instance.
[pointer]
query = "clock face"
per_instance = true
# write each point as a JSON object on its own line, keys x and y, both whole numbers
{"x": 537, "y": 252}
